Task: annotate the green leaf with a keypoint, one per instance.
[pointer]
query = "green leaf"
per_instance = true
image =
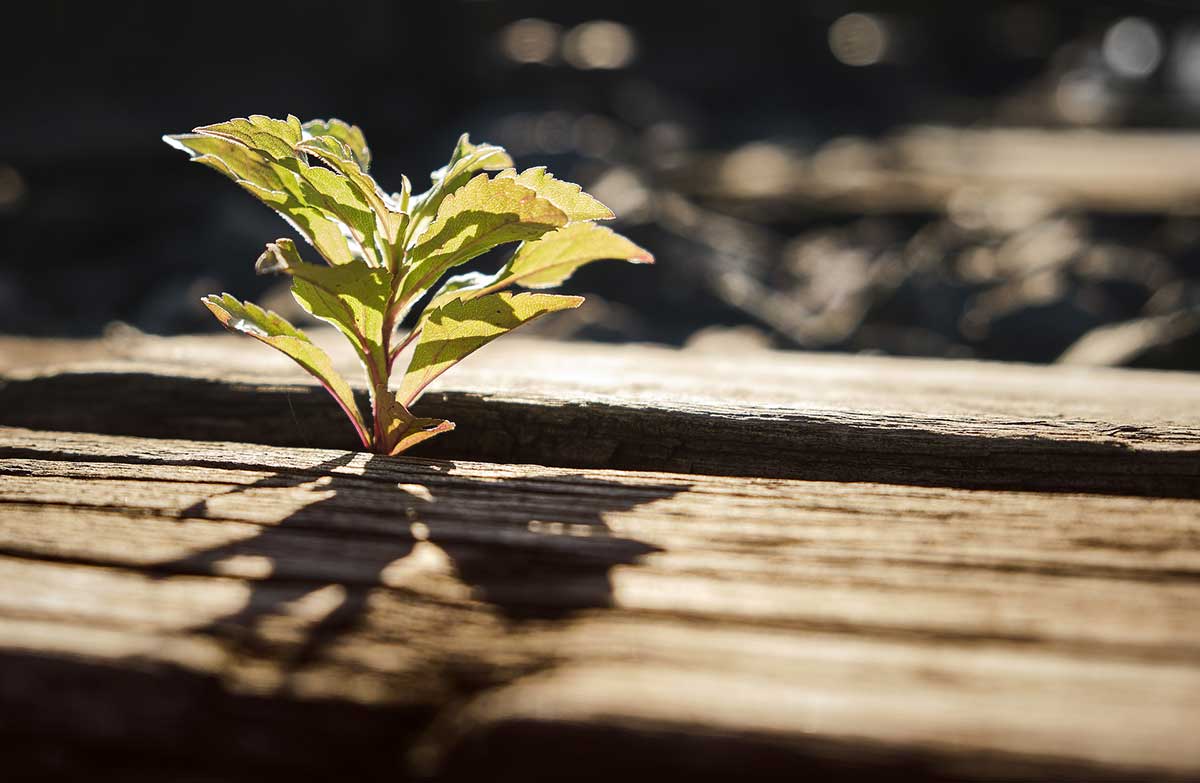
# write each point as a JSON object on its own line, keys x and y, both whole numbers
{"x": 347, "y": 134}
{"x": 266, "y": 326}
{"x": 483, "y": 213}
{"x": 386, "y": 251}
{"x": 391, "y": 220}
{"x": 270, "y": 137}
{"x": 352, "y": 297}
{"x": 400, "y": 430}
{"x": 403, "y": 199}
{"x": 311, "y": 207}
{"x": 466, "y": 161}
{"x": 333, "y": 194}
{"x": 229, "y": 157}
{"x": 459, "y": 287}
{"x": 549, "y": 261}
{"x": 462, "y": 286}
{"x": 260, "y": 153}
{"x": 567, "y": 196}
{"x": 543, "y": 263}
{"x": 459, "y": 327}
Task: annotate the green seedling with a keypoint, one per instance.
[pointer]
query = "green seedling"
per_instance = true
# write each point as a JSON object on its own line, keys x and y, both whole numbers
{"x": 385, "y": 252}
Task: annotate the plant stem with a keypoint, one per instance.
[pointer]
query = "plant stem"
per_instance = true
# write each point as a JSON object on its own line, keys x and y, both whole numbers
{"x": 378, "y": 377}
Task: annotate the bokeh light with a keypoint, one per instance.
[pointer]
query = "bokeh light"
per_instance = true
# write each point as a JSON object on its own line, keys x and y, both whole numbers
{"x": 1185, "y": 64}
{"x": 1083, "y": 96}
{"x": 530, "y": 41}
{"x": 601, "y": 45}
{"x": 1133, "y": 48}
{"x": 12, "y": 188}
{"x": 858, "y": 39}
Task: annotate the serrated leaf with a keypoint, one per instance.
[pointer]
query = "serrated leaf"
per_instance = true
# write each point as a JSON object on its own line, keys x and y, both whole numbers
{"x": 567, "y": 196}
{"x": 349, "y": 135}
{"x": 543, "y": 263}
{"x": 390, "y": 221}
{"x": 272, "y": 329}
{"x": 466, "y": 161}
{"x": 333, "y": 194}
{"x": 262, "y": 134}
{"x": 314, "y": 224}
{"x": 352, "y": 297}
{"x": 231, "y": 158}
{"x": 278, "y": 187}
{"x": 399, "y": 430}
{"x": 482, "y": 214}
{"x": 260, "y": 154}
{"x": 386, "y": 251}
{"x": 456, "y": 329}
{"x": 462, "y": 286}
{"x": 549, "y": 261}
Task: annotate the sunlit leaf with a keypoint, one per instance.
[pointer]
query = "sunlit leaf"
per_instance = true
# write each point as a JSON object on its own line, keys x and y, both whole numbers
{"x": 399, "y": 430}
{"x": 458, "y": 287}
{"x": 229, "y": 157}
{"x": 273, "y": 138}
{"x": 567, "y": 196}
{"x": 390, "y": 220}
{"x": 403, "y": 199}
{"x": 301, "y": 203}
{"x": 270, "y": 328}
{"x": 350, "y": 135}
{"x": 352, "y": 297}
{"x": 462, "y": 286}
{"x": 458, "y": 328}
{"x": 333, "y": 194}
{"x": 543, "y": 263}
{"x": 483, "y": 213}
{"x": 385, "y": 251}
{"x": 466, "y": 161}
{"x": 550, "y": 260}
{"x": 261, "y": 154}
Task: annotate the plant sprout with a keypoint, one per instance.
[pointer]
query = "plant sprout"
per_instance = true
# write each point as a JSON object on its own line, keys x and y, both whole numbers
{"x": 385, "y": 252}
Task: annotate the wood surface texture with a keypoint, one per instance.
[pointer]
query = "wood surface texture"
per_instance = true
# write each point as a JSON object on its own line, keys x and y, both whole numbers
{"x": 840, "y": 568}
{"x": 765, "y": 413}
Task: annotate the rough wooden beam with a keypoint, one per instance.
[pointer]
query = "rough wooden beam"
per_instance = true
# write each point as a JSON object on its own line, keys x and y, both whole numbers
{"x": 930, "y": 168}
{"x": 910, "y": 421}
{"x": 245, "y": 612}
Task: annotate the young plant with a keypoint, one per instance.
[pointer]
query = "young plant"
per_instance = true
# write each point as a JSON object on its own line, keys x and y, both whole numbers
{"x": 384, "y": 252}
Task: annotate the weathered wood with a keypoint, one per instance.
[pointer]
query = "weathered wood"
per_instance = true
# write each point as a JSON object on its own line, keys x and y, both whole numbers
{"x": 244, "y": 611}
{"x": 826, "y": 417}
{"x": 1026, "y": 171}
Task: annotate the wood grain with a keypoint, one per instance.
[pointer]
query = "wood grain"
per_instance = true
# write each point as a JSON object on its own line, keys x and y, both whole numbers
{"x": 788, "y": 415}
{"x": 241, "y": 612}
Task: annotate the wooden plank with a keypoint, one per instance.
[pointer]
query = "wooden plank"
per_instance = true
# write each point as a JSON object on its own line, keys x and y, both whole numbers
{"x": 792, "y": 415}
{"x": 1028, "y": 172}
{"x": 219, "y": 604}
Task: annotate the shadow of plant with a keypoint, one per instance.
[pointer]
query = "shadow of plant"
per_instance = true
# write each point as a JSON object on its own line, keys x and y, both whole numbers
{"x": 534, "y": 548}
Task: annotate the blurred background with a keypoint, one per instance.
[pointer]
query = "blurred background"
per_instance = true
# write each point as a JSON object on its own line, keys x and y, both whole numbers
{"x": 1015, "y": 181}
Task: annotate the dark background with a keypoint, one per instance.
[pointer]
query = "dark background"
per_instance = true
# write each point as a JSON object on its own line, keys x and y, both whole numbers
{"x": 676, "y": 115}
